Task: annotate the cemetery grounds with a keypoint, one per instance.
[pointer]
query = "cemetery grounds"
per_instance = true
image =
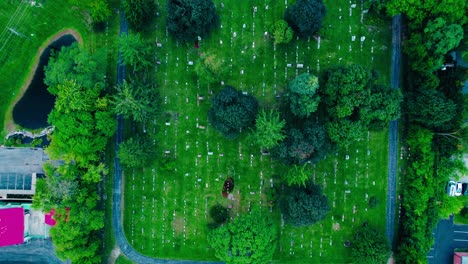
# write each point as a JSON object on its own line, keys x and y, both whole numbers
{"x": 166, "y": 214}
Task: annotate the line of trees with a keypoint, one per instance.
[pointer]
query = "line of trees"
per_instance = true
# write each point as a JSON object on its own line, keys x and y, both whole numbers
{"x": 434, "y": 109}
{"x": 83, "y": 122}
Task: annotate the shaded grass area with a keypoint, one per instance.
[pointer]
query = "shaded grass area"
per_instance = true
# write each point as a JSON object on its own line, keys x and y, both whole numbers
{"x": 166, "y": 213}
{"x": 34, "y": 25}
{"x": 123, "y": 260}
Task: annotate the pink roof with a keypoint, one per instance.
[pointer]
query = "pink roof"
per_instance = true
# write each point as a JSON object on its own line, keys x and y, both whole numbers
{"x": 11, "y": 226}
{"x": 459, "y": 257}
{"x": 49, "y": 218}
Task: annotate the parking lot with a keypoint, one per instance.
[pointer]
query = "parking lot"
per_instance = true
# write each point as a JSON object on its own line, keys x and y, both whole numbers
{"x": 448, "y": 237}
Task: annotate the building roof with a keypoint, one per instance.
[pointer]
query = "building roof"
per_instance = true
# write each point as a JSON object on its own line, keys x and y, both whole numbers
{"x": 11, "y": 226}
{"x": 22, "y": 160}
{"x": 460, "y": 258}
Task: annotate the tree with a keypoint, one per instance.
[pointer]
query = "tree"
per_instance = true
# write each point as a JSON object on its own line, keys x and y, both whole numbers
{"x": 303, "y": 144}
{"x": 370, "y": 246}
{"x": 219, "y": 213}
{"x": 210, "y": 68}
{"x": 420, "y": 10}
{"x": 139, "y": 13}
{"x": 250, "y": 238}
{"x": 137, "y": 152}
{"x": 431, "y": 108}
{"x": 268, "y": 129}
{"x": 232, "y": 111}
{"x": 303, "y": 206}
{"x": 346, "y": 90}
{"x": 281, "y": 32}
{"x": 189, "y": 19}
{"x": 383, "y": 107}
{"x": 135, "y": 100}
{"x": 305, "y": 17}
{"x": 440, "y": 38}
{"x": 98, "y": 9}
{"x": 344, "y": 132}
{"x": 303, "y": 96}
{"x": 136, "y": 53}
{"x": 297, "y": 174}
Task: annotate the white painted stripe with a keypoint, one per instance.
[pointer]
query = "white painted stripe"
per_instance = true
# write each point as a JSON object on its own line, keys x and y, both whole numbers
{"x": 466, "y": 232}
{"x": 465, "y": 240}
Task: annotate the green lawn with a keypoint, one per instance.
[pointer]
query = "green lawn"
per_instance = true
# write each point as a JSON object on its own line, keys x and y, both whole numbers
{"x": 166, "y": 213}
{"x": 37, "y": 25}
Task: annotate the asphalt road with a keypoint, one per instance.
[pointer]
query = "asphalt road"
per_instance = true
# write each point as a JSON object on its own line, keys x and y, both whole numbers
{"x": 117, "y": 216}
{"x": 447, "y": 237}
{"x": 393, "y": 134}
{"x": 38, "y": 251}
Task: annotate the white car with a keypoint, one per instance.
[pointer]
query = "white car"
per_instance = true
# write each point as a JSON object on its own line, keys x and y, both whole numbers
{"x": 458, "y": 190}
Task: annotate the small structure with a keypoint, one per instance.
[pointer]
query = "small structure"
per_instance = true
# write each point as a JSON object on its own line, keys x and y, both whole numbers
{"x": 460, "y": 258}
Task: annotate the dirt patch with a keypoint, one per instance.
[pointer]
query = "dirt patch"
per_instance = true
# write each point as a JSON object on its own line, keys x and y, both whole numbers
{"x": 178, "y": 225}
{"x": 10, "y": 125}
{"x": 113, "y": 255}
{"x": 336, "y": 226}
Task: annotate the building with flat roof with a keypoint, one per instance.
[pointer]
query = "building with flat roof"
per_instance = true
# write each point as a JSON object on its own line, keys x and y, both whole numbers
{"x": 460, "y": 258}
{"x": 19, "y": 168}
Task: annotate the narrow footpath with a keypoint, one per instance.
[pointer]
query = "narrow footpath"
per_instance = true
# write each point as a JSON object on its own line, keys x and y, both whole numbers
{"x": 393, "y": 134}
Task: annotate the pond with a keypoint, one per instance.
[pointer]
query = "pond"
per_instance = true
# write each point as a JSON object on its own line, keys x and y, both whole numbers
{"x": 32, "y": 109}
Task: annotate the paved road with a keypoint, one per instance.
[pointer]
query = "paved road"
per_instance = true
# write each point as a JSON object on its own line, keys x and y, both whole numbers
{"x": 393, "y": 134}
{"x": 38, "y": 251}
{"x": 117, "y": 217}
{"x": 447, "y": 237}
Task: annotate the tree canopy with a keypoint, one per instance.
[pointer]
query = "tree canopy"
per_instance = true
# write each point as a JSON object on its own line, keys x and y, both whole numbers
{"x": 281, "y": 32}
{"x": 305, "y": 17}
{"x": 431, "y": 108}
{"x": 303, "y": 206}
{"x": 370, "y": 246}
{"x": 210, "y": 68}
{"x": 297, "y": 174}
{"x": 136, "y": 52}
{"x": 137, "y": 152}
{"x": 98, "y": 10}
{"x": 302, "y": 144}
{"x": 268, "y": 129}
{"x": 139, "y": 13}
{"x": 188, "y": 19}
{"x": 303, "y": 95}
{"x": 232, "y": 111}
{"x": 250, "y": 238}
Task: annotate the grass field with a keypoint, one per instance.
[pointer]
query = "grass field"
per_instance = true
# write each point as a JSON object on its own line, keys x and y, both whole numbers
{"x": 35, "y": 25}
{"x": 166, "y": 213}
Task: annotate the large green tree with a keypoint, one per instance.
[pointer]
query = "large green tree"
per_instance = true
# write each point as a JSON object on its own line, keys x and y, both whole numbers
{"x": 383, "y": 107}
{"x": 250, "y": 238}
{"x": 431, "y": 108}
{"x": 306, "y": 205}
{"x": 137, "y": 152}
{"x": 303, "y": 95}
{"x": 440, "y": 37}
{"x": 232, "y": 111}
{"x": 189, "y": 19}
{"x": 305, "y": 17}
{"x": 419, "y": 11}
{"x": 210, "y": 68}
{"x": 269, "y": 129}
{"x": 303, "y": 144}
{"x": 135, "y": 100}
{"x": 137, "y": 53}
{"x": 139, "y": 13}
{"x": 98, "y": 10}
{"x": 297, "y": 174}
{"x": 370, "y": 246}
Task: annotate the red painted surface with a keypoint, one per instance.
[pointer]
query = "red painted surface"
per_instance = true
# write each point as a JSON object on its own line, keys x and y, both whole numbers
{"x": 49, "y": 218}
{"x": 11, "y": 226}
{"x": 457, "y": 257}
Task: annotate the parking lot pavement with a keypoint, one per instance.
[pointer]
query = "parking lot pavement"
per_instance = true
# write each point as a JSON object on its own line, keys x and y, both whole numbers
{"x": 447, "y": 237}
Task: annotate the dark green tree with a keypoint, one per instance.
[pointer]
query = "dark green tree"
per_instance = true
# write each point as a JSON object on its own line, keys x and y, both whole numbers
{"x": 137, "y": 152}
{"x": 431, "y": 108}
{"x": 219, "y": 213}
{"x": 98, "y": 10}
{"x": 250, "y": 238}
{"x": 345, "y": 132}
{"x": 303, "y": 95}
{"x": 137, "y": 53}
{"x": 139, "y": 13}
{"x": 281, "y": 32}
{"x": 309, "y": 143}
{"x": 268, "y": 129}
{"x": 440, "y": 38}
{"x": 305, "y": 17}
{"x": 303, "y": 206}
{"x": 189, "y": 19}
{"x": 370, "y": 246}
{"x": 383, "y": 107}
{"x": 232, "y": 112}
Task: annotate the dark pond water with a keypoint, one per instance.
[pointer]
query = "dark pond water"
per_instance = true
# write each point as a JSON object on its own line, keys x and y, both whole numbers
{"x": 32, "y": 109}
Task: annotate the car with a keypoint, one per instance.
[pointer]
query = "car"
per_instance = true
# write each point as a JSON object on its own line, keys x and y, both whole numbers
{"x": 451, "y": 188}
{"x": 458, "y": 190}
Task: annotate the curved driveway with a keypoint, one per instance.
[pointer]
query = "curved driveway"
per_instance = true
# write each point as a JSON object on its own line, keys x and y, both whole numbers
{"x": 393, "y": 134}
{"x": 117, "y": 216}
